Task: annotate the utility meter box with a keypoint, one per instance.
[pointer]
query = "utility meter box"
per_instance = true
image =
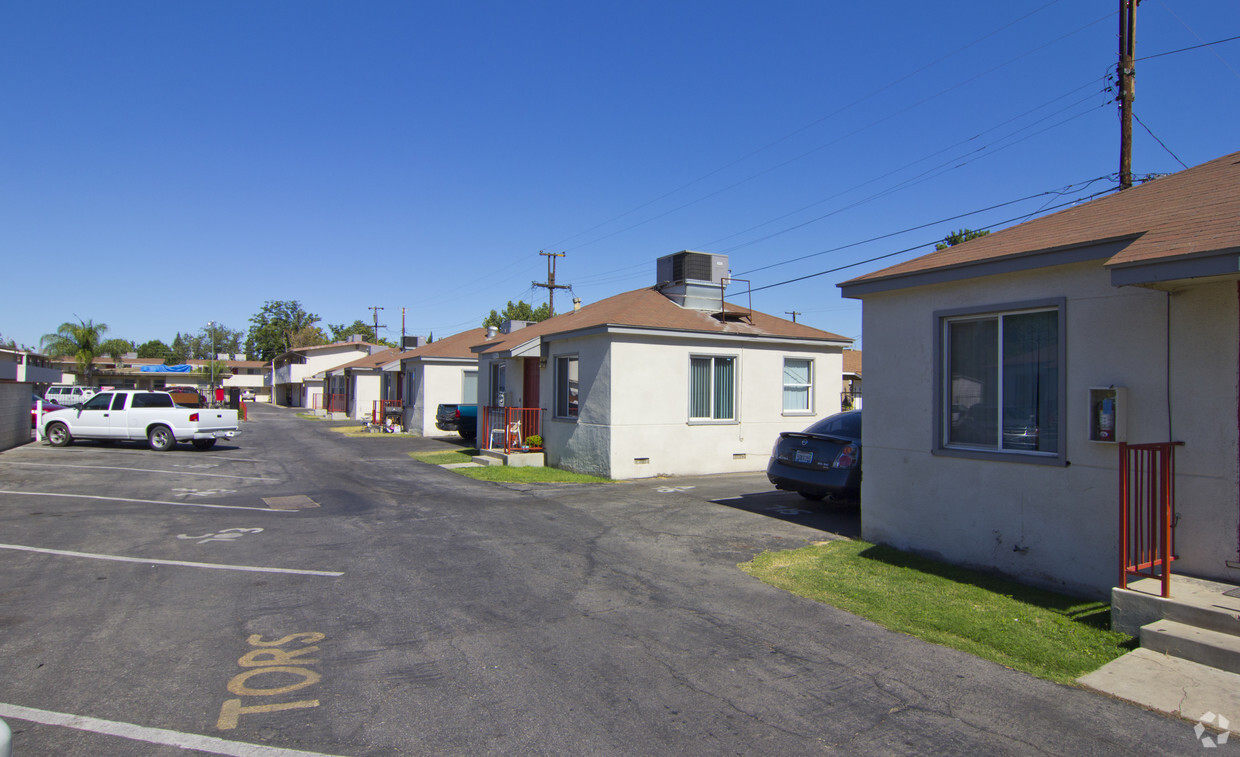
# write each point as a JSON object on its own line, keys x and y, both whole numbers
{"x": 1108, "y": 414}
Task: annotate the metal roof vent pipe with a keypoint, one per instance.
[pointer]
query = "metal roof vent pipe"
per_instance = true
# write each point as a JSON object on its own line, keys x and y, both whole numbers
{"x": 491, "y": 332}
{"x": 576, "y": 304}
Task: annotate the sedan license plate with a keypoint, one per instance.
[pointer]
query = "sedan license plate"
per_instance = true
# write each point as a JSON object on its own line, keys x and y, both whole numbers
{"x": 804, "y": 457}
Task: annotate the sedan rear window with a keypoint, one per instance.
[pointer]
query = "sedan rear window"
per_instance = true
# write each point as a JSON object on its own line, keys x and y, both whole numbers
{"x": 844, "y": 424}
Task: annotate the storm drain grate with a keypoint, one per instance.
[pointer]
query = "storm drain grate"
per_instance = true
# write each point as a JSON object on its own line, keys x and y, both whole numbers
{"x": 1232, "y": 593}
{"x": 295, "y": 502}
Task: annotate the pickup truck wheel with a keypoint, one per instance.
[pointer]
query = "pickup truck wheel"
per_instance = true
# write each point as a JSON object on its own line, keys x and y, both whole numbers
{"x": 161, "y": 438}
{"x": 58, "y": 435}
{"x": 203, "y": 443}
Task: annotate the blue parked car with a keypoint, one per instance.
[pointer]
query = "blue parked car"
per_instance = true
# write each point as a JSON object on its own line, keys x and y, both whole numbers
{"x": 821, "y": 462}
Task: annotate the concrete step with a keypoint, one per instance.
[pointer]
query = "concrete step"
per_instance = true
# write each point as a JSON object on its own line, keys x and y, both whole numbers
{"x": 1201, "y": 645}
{"x": 1213, "y": 618}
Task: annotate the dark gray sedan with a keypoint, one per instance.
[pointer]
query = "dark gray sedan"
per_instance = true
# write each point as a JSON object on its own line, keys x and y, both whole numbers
{"x": 821, "y": 462}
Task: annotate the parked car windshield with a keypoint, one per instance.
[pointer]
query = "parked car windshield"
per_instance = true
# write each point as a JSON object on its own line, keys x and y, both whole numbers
{"x": 842, "y": 424}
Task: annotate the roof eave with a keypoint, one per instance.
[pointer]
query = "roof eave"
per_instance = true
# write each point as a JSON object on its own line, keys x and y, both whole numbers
{"x": 1206, "y": 265}
{"x": 1016, "y": 263}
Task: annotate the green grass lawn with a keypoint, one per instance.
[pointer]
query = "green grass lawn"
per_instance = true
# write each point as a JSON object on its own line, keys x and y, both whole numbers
{"x": 1049, "y": 635}
{"x": 503, "y": 473}
{"x": 446, "y": 457}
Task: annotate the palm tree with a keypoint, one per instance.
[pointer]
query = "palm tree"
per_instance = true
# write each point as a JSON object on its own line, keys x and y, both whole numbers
{"x": 81, "y": 341}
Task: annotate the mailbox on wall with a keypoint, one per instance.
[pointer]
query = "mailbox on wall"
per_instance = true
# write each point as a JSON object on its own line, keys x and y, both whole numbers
{"x": 1108, "y": 414}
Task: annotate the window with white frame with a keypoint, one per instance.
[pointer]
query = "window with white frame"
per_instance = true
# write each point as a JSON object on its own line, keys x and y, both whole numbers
{"x": 798, "y": 385}
{"x": 1001, "y": 382}
{"x": 469, "y": 387}
{"x": 712, "y": 388}
{"x": 567, "y": 387}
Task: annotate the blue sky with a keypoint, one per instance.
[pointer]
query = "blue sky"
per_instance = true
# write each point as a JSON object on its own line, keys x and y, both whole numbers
{"x": 163, "y": 164}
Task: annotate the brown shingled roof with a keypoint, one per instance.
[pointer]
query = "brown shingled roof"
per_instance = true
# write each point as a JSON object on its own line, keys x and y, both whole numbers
{"x": 852, "y": 361}
{"x": 1192, "y": 212}
{"x": 647, "y": 308}
{"x": 455, "y": 346}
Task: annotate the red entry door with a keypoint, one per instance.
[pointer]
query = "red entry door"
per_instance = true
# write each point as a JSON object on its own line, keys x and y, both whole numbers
{"x": 529, "y": 383}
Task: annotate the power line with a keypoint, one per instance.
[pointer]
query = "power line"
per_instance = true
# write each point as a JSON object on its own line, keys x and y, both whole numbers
{"x": 711, "y": 244}
{"x": 1159, "y": 141}
{"x": 818, "y": 121}
{"x": 919, "y": 227}
{"x": 1186, "y": 49}
{"x": 900, "y": 252}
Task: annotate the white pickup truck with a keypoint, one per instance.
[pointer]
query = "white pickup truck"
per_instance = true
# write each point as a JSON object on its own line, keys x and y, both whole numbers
{"x": 131, "y": 415}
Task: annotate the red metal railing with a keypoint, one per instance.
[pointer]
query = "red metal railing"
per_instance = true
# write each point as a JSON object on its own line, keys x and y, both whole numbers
{"x": 336, "y": 403}
{"x": 1147, "y": 512}
{"x": 509, "y": 428}
{"x": 383, "y": 408}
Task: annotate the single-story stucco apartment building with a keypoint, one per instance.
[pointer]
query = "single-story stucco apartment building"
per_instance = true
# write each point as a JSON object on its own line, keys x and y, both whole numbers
{"x": 669, "y": 379}
{"x": 1002, "y": 374}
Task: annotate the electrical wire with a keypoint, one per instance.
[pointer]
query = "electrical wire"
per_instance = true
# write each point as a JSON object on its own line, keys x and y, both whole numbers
{"x": 1159, "y": 141}
{"x": 1186, "y": 49}
{"x": 820, "y": 120}
{"x": 942, "y": 169}
{"x": 712, "y": 243}
{"x": 905, "y": 250}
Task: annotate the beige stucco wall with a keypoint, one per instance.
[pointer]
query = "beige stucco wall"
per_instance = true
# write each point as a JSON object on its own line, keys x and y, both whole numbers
{"x": 634, "y": 419}
{"x": 1056, "y": 525}
{"x": 430, "y": 385}
{"x": 365, "y": 390}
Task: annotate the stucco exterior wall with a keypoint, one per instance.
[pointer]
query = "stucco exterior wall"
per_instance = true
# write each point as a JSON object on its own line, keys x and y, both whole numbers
{"x": 433, "y": 384}
{"x": 582, "y": 445}
{"x": 367, "y": 387}
{"x": 1048, "y": 524}
{"x": 634, "y": 418}
{"x": 14, "y": 414}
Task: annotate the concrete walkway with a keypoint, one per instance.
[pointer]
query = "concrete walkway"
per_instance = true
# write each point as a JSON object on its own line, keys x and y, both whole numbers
{"x": 1172, "y": 685}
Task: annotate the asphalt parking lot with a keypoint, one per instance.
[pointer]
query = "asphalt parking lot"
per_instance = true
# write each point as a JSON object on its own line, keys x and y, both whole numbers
{"x": 296, "y": 592}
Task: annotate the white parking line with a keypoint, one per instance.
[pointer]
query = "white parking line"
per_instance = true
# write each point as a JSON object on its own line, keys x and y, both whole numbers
{"x": 143, "y": 470}
{"x": 48, "y": 450}
{"x": 146, "y": 501}
{"x": 162, "y": 736}
{"x": 179, "y": 563}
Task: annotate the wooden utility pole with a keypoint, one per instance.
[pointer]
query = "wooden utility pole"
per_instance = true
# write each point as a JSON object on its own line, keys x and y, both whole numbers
{"x": 1127, "y": 86}
{"x": 375, "y": 309}
{"x": 550, "y": 285}
{"x": 793, "y": 313}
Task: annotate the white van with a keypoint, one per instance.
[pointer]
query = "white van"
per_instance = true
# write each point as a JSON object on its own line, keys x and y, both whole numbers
{"x": 67, "y": 395}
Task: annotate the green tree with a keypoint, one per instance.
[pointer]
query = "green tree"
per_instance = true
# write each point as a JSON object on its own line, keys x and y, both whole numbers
{"x": 154, "y": 349}
{"x": 212, "y": 340}
{"x": 80, "y": 341}
{"x": 272, "y": 327}
{"x": 306, "y": 336}
{"x": 9, "y": 343}
{"x": 179, "y": 352}
{"x": 341, "y": 333}
{"x": 116, "y": 349}
{"x": 959, "y": 237}
{"x": 518, "y": 311}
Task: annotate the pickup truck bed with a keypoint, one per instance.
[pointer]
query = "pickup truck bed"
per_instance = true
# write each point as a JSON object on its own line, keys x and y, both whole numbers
{"x": 135, "y": 415}
{"x": 462, "y": 419}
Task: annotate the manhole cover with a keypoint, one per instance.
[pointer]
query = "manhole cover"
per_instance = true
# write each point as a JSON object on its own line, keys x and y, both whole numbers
{"x": 295, "y": 502}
